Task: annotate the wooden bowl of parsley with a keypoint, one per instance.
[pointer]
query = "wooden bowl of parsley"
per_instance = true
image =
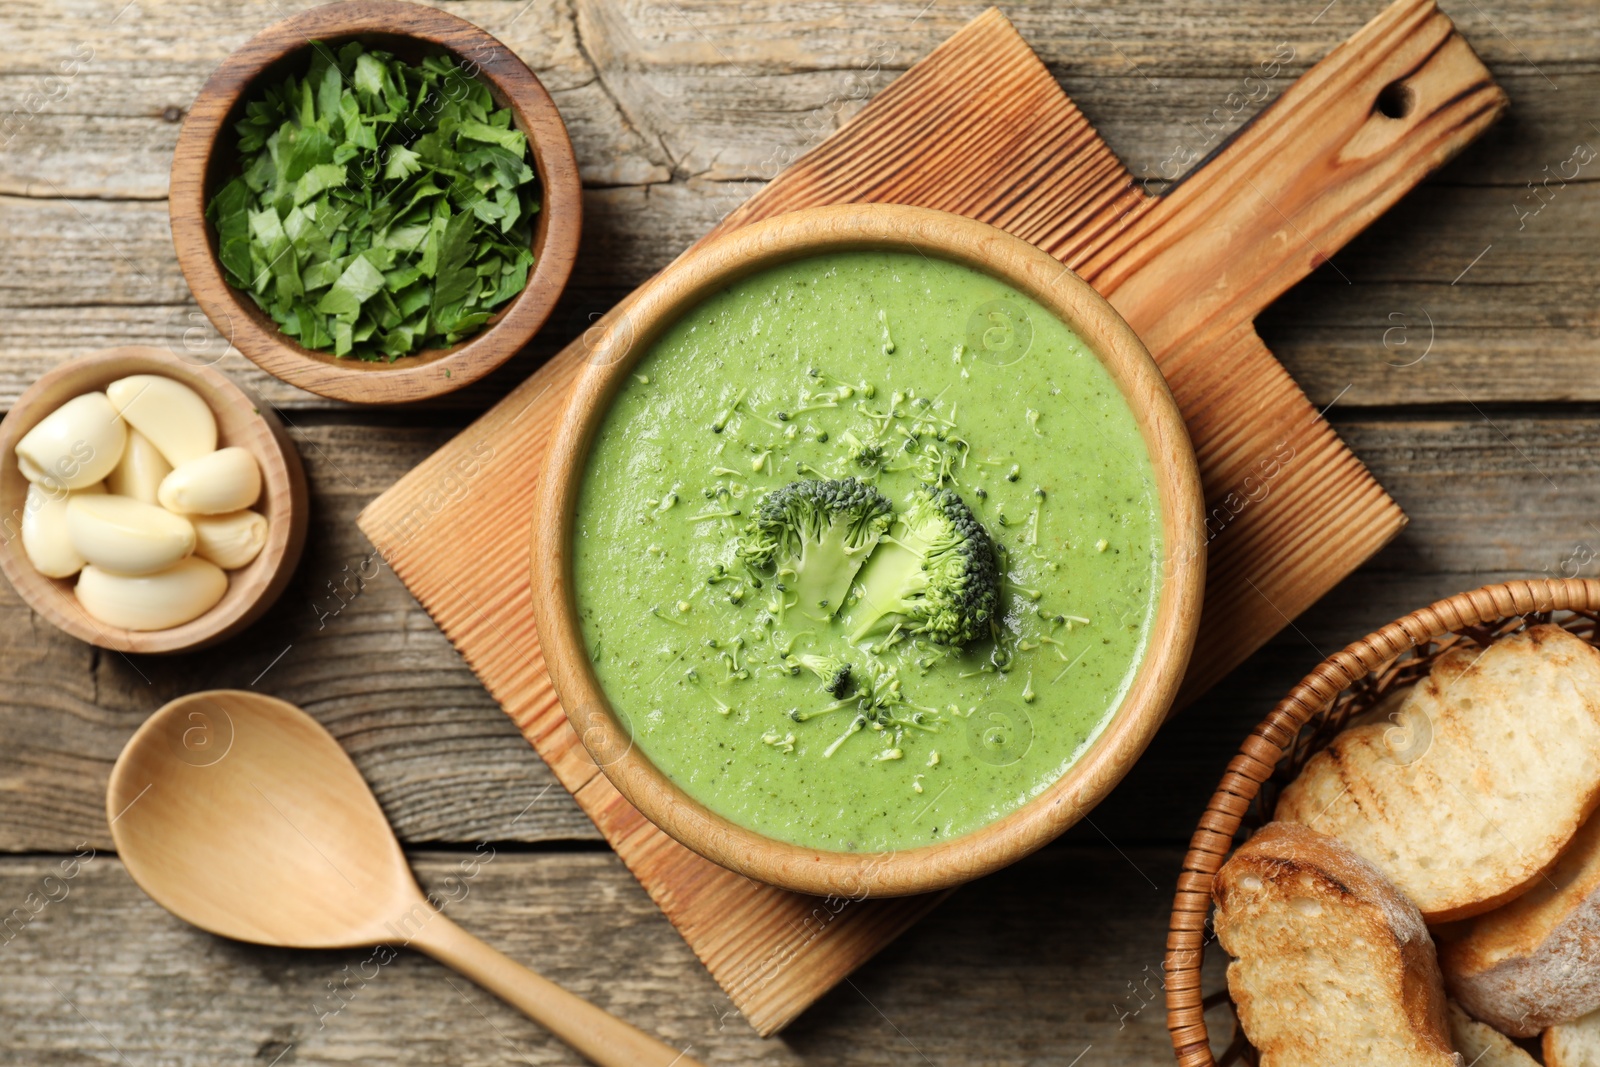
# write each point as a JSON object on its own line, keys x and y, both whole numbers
{"x": 375, "y": 201}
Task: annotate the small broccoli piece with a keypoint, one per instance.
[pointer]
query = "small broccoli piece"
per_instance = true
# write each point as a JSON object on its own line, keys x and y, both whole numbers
{"x": 937, "y": 577}
{"x": 867, "y": 454}
{"x": 837, "y": 680}
{"x": 814, "y": 535}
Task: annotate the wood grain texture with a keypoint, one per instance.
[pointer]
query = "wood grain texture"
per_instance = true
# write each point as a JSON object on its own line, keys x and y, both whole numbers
{"x": 1192, "y": 269}
{"x": 730, "y": 92}
{"x": 991, "y": 978}
{"x": 1038, "y": 169}
{"x": 241, "y": 423}
{"x": 721, "y": 90}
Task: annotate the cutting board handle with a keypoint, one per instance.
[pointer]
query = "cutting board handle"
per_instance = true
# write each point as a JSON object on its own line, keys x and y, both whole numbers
{"x": 1335, "y": 151}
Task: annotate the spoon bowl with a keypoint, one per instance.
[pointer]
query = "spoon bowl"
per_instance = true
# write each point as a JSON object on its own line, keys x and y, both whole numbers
{"x": 240, "y": 814}
{"x": 226, "y": 797}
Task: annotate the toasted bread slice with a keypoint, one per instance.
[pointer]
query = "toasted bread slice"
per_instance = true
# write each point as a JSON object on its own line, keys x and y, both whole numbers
{"x": 1481, "y": 1045}
{"x": 1384, "y": 710}
{"x": 1574, "y": 1044}
{"x": 1330, "y": 963}
{"x": 1536, "y": 961}
{"x": 1492, "y": 765}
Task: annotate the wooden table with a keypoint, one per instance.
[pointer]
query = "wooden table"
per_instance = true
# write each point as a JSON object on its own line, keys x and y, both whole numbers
{"x": 1456, "y": 344}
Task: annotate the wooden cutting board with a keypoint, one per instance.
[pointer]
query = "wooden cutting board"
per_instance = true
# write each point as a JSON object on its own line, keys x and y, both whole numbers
{"x": 979, "y": 127}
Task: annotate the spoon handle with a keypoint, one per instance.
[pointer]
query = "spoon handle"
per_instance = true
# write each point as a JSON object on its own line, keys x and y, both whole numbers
{"x": 603, "y": 1038}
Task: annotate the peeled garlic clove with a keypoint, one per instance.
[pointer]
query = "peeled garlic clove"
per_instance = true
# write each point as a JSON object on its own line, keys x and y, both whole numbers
{"x": 139, "y": 472}
{"x": 173, "y": 416}
{"x": 128, "y": 536}
{"x": 44, "y": 531}
{"x": 34, "y": 474}
{"x": 226, "y": 480}
{"x": 75, "y": 445}
{"x": 230, "y": 540}
{"x": 186, "y": 590}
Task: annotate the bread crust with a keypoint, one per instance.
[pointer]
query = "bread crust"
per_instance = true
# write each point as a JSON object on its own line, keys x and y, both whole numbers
{"x": 1490, "y": 769}
{"x": 1535, "y": 962}
{"x": 1330, "y": 962}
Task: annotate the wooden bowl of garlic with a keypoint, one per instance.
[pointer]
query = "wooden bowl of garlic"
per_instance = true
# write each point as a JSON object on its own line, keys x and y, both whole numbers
{"x": 149, "y": 504}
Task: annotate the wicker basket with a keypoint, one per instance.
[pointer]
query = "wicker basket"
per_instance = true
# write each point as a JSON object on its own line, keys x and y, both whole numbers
{"x": 1341, "y": 687}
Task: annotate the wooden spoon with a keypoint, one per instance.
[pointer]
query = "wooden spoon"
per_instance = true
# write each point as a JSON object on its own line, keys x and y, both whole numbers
{"x": 240, "y": 814}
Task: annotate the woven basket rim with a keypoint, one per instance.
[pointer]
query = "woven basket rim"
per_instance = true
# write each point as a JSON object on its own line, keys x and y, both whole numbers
{"x": 1275, "y": 736}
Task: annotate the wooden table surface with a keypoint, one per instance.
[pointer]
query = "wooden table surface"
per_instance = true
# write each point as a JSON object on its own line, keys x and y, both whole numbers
{"x": 1456, "y": 344}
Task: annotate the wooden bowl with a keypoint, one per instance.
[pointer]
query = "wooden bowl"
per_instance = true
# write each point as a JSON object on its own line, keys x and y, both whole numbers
{"x": 241, "y": 420}
{"x": 1130, "y": 728}
{"x": 1340, "y": 688}
{"x": 206, "y": 159}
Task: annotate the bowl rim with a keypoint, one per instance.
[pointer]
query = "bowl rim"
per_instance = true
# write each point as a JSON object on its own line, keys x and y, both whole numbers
{"x": 1483, "y": 609}
{"x": 432, "y": 372}
{"x": 283, "y": 488}
{"x": 1122, "y": 737}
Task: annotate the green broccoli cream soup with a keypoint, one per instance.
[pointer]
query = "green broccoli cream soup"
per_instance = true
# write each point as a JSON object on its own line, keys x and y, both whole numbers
{"x": 867, "y": 551}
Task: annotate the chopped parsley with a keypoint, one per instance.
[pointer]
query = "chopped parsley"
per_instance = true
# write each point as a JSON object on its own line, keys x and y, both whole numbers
{"x": 382, "y": 208}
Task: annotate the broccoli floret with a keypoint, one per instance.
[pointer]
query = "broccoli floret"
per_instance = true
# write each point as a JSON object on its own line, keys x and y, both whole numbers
{"x": 814, "y": 535}
{"x": 837, "y": 680}
{"x": 937, "y": 577}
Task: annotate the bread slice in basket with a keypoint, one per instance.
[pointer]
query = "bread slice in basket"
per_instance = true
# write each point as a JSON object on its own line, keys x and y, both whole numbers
{"x": 1481, "y": 1045}
{"x": 1491, "y": 765}
{"x": 1331, "y": 964}
{"x": 1535, "y": 961}
{"x": 1574, "y": 1044}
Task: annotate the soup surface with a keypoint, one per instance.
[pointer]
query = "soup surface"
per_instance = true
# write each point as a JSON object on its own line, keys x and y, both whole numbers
{"x": 901, "y": 371}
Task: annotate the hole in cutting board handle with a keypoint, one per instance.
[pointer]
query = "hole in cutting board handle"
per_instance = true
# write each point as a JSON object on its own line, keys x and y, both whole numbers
{"x": 1395, "y": 101}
